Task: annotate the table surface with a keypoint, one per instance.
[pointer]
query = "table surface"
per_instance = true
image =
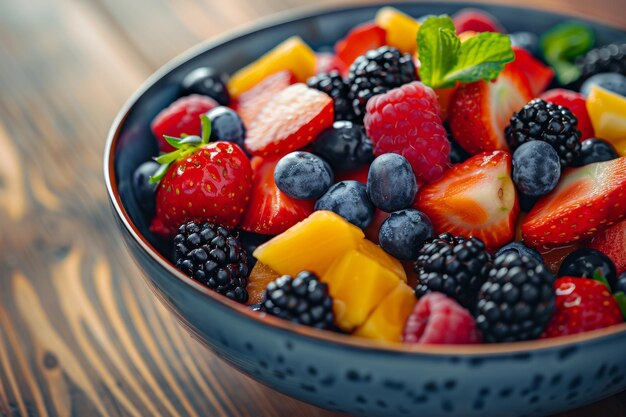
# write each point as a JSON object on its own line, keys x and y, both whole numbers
{"x": 80, "y": 334}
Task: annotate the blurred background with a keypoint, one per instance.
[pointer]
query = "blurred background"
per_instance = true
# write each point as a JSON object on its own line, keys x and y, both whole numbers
{"x": 80, "y": 334}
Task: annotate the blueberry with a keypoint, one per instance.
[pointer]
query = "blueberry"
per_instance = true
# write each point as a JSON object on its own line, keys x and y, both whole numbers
{"x": 391, "y": 183}
{"x": 345, "y": 146}
{"x": 521, "y": 249}
{"x": 208, "y": 82}
{"x": 145, "y": 191}
{"x": 226, "y": 125}
{"x": 526, "y": 40}
{"x": 611, "y": 81}
{"x": 349, "y": 200}
{"x": 620, "y": 285}
{"x": 595, "y": 150}
{"x": 584, "y": 262}
{"x": 404, "y": 232}
{"x": 536, "y": 168}
{"x": 303, "y": 175}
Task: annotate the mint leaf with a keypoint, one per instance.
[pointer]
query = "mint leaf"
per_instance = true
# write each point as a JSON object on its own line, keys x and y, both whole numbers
{"x": 481, "y": 57}
{"x": 599, "y": 276}
{"x": 620, "y": 297}
{"x": 562, "y": 44}
{"x": 438, "y": 48}
{"x": 444, "y": 60}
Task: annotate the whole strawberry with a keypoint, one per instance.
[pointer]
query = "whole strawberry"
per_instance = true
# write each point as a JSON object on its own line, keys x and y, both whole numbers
{"x": 201, "y": 182}
{"x": 582, "y": 305}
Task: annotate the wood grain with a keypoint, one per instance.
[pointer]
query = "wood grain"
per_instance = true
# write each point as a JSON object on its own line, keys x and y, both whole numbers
{"x": 80, "y": 334}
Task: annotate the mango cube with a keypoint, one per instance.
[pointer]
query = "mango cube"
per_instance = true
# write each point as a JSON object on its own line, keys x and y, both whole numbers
{"x": 374, "y": 251}
{"x": 310, "y": 245}
{"x": 401, "y": 29}
{"x": 388, "y": 319}
{"x": 607, "y": 111}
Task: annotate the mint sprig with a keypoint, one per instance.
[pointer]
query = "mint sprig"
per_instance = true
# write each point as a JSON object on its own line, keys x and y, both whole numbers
{"x": 620, "y": 297}
{"x": 562, "y": 44}
{"x": 184, "y": 146}
{"x": 445, "y": 60}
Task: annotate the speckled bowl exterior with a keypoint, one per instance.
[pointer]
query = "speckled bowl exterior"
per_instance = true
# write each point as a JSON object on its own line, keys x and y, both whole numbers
{"x": 337, "y": 372}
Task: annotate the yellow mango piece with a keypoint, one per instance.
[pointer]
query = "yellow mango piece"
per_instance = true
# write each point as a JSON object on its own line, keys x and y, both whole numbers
{"x": 358, "y": 283}
{"x": 401, "y": 29}
{"x": 388, "y": 319}
{"x": 292, "y": 54}
{"x": 607, "y": 111}
{"x": 310, "y": 245}
{"x": 260, "y": 276}
{"x": 374, "y": 251}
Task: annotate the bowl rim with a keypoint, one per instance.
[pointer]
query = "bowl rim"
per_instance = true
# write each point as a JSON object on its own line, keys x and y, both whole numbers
{"x": 345, "y": 341}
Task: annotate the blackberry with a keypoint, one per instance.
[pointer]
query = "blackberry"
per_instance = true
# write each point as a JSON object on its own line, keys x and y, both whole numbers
{"x": 608, "y": 58}
{"x": 303, "y": 300}
{"x": 209, "y": 254}
{"x": 377, "y": 72}
{"x": 454, "y": 265}
{"x": 517, "y": 301}
{"x": 540, "y": 120}
{"x": 332, "y": 84}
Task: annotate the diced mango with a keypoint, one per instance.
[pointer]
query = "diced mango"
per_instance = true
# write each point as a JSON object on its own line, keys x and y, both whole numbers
{"x": 310, "y": 245}
{"x": 358, "y": 283}
{"x": 292, "y": 54}
{"x": 374, "y": 251}
{"x": 260, "y": 276}
{"x": 607, "y": 111}
{"x": 401, "y": 29}
{"x": 388, "y": 319}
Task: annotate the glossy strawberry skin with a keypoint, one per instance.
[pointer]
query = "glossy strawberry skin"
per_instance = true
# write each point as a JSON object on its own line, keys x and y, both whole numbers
{"x": 480, "y": 111}
{"x": 290, "y": 120}
{"x": 212, "y": 184}
{"x": 538, "y": 75}
{"x": 612, "y": 243}
{"x": 361, "y": 39}
{"x": 474, "y": 198}
{"x": 582, "y": 305}
{"x": 270, "y": 211}
{"x": 181, "y": 117}
{"x": 586, "y": 201}
{"x": 476, "y": 21}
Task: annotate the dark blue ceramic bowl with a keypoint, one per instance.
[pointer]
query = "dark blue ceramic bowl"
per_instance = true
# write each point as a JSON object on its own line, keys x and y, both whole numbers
{"x": 337, "y": 372}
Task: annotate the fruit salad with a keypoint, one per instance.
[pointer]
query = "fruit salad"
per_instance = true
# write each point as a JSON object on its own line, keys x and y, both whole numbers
{"x": 433, "y": 180}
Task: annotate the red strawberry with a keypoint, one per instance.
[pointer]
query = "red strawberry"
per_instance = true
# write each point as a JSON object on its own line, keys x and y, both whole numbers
{"x": 201, "y": 181}
{"x": 361, "y": 39}
{"x": 270, "y": 211}
{"x": 480, "y": 111}
{"x": 474, "y": 198}
{"x": 476, "y": 20}
{"x": 407, "y": 121}
{"x": 612, "y": 242}
{"x": 290, "y": 120}
{"x": 250, "y": 103}
{"x": 582, "y": 305}
{"x": 577, "y": 104}
{"x": 181, "y": 117}
{"x": 327, "y": 62}
{"x": 538, "y": 75}
{"x": 586, "y": 201}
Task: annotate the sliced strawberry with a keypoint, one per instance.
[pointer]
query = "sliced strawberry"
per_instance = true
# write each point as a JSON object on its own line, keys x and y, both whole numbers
{"x": 577, "y": 104}
{"x": 476, "y": 20}
{"x": 250, "y": 103}
{"x": 361, "y": 39}
{"x": 327, "y": 62}
{"x": 480, "y": 111}
{"x": 538, "y": 75}
{"x": 474, "y": 198}
{"x": 612, "y": 242}
{"x": 587, "y": 200}
{"x": 290, "y": 120}
{"x": 270, "y": 211}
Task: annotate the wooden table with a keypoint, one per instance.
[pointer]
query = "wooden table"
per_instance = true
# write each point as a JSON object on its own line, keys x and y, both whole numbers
{"x": 80, "y": 334}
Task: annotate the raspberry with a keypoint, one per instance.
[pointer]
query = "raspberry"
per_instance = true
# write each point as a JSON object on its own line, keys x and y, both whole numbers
{"x": 407, "y": 121}
{"x": 438, "y": 319}
{"x": 181, "y": 117}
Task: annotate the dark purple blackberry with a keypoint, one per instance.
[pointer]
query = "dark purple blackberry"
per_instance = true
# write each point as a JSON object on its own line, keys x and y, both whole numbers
{"x": 454, "y": 265}
{"x": 608, "y": 58}
{"x": 540, "y": 120}
{"x": 209, "y": 254}
{"x": 377, "y": 72}
{"x": 303, "y": 300}
{"x": 517, "y": 301}
{"x": 332, "y": 84}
